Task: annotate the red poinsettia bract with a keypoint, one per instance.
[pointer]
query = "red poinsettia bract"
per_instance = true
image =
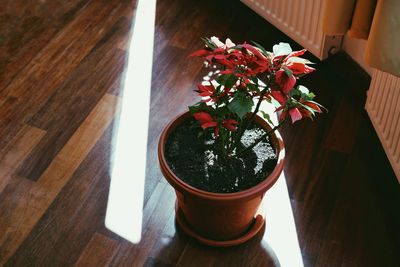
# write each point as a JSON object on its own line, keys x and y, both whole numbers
{"x": 286, "y": 82}
{"x": 244, "y": 75}
{"x": 207, "y": 121}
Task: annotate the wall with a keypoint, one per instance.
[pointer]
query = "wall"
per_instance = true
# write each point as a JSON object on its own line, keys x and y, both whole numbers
{"x": 383, "y": 102}
{"x": 355, "y": 49}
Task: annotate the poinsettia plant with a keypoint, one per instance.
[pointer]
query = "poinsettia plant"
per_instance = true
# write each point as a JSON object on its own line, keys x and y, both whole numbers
{"x": 241, "y": 77}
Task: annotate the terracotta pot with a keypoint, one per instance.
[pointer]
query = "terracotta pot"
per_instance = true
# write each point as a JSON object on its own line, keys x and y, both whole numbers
{"x": 219, "y": 219}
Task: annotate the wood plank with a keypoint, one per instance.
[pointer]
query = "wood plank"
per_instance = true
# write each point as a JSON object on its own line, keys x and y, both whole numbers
{"x": 41, "y": 77}
{"x": 74, "y": 216}
{"x": 66, "y": 50}
{"x": 6, "y": 105}
{"x": 27, "y": 27}
{"x": 170, "y": 244}
{"x": 252, "y": 253}
{"x": 154, "y": 222}
{"x": 342, "y": 134}
{"x": 65, "y": 110}
{"x": 18, "y": 149}
{"x": 151, "y": 262}
{"x": 34, "y": 201}
{"x": 80, "y": 143}
{"x": 197, "y": 255}
{"x": 98, "y": 252}
{"x": 147, "y": 244}
{"x": 58, "y": 58}
{"x": 319, "y": 213}
{"x": 14, "y": 216}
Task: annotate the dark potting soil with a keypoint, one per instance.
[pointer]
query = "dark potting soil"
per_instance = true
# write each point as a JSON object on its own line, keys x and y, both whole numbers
{"x": 194, "y": 160}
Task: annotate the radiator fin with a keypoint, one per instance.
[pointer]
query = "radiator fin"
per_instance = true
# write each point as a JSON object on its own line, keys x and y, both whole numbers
{"x": 383, "y": 107}
{"x": 300, "y": 20}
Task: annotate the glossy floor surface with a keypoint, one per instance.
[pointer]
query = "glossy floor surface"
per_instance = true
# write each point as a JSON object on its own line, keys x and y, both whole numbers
{"x": 61, "y": 70}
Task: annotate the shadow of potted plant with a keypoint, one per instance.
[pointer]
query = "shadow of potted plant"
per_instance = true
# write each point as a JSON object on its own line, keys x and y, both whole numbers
{"x": 221, "y": 156}
{"x": 256, "y": 252}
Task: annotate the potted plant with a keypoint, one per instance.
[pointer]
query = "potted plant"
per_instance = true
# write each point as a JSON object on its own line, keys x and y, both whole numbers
{"x": 221, "y": 156}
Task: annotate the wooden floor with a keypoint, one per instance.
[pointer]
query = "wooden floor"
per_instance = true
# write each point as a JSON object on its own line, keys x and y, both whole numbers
{"x": 61, "y": 65}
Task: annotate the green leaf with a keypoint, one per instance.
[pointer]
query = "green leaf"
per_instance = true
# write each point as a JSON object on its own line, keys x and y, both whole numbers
{"x": 267, "y": 117}
{"x": 299, "y": 60}
{"x": 261, "y": 48}
{"x": 193, "y": 109}
{"x": 303, "y": 90}
{"x": 254, "y": 79}
{"x": 309, "y": 109}
{"x": 319, "y": 105}
{"x": 310, "y": 96}
{"x": 209, "y": 43}
{"x": 241, "y": 105}
{"x": 275, "y": 103}
{"x": 223, "y": 111}
{"x": 223, "y": 133}
{"x": 230, "y": 81}
{"x": 227, "y": 80}
{"x": 218, "y": 89}
{"x": 253, "y": 87}
{"x": 200, "y": 106}
{"x": 221, "y": 79}
{"x": 288, "y": 72}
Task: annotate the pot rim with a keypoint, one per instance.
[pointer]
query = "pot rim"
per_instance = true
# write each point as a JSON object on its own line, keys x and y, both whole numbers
{"x": 183, "y": 187}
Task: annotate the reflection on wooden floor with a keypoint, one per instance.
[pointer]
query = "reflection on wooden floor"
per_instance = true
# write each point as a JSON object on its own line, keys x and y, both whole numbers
{"x": 61, "y": 67}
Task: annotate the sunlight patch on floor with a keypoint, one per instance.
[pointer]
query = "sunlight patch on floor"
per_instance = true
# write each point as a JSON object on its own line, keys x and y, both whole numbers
{"x": 125, "y": 201}
{"x": 280, "y": 237}
{"x": 280, "y": 229}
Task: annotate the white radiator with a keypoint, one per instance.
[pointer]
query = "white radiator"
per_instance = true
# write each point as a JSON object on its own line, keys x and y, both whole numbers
{"x": 301, "y": 20}
{"x": 383, "y": 107}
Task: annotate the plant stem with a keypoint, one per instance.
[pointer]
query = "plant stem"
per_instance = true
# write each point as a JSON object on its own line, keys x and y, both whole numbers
{"x": 248, "y": 121}
{"x": 261, "y": 138}
{"x": 223, "y": 150}
{"x": 262, "y": 94}
{"x": 229, "y": 143}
